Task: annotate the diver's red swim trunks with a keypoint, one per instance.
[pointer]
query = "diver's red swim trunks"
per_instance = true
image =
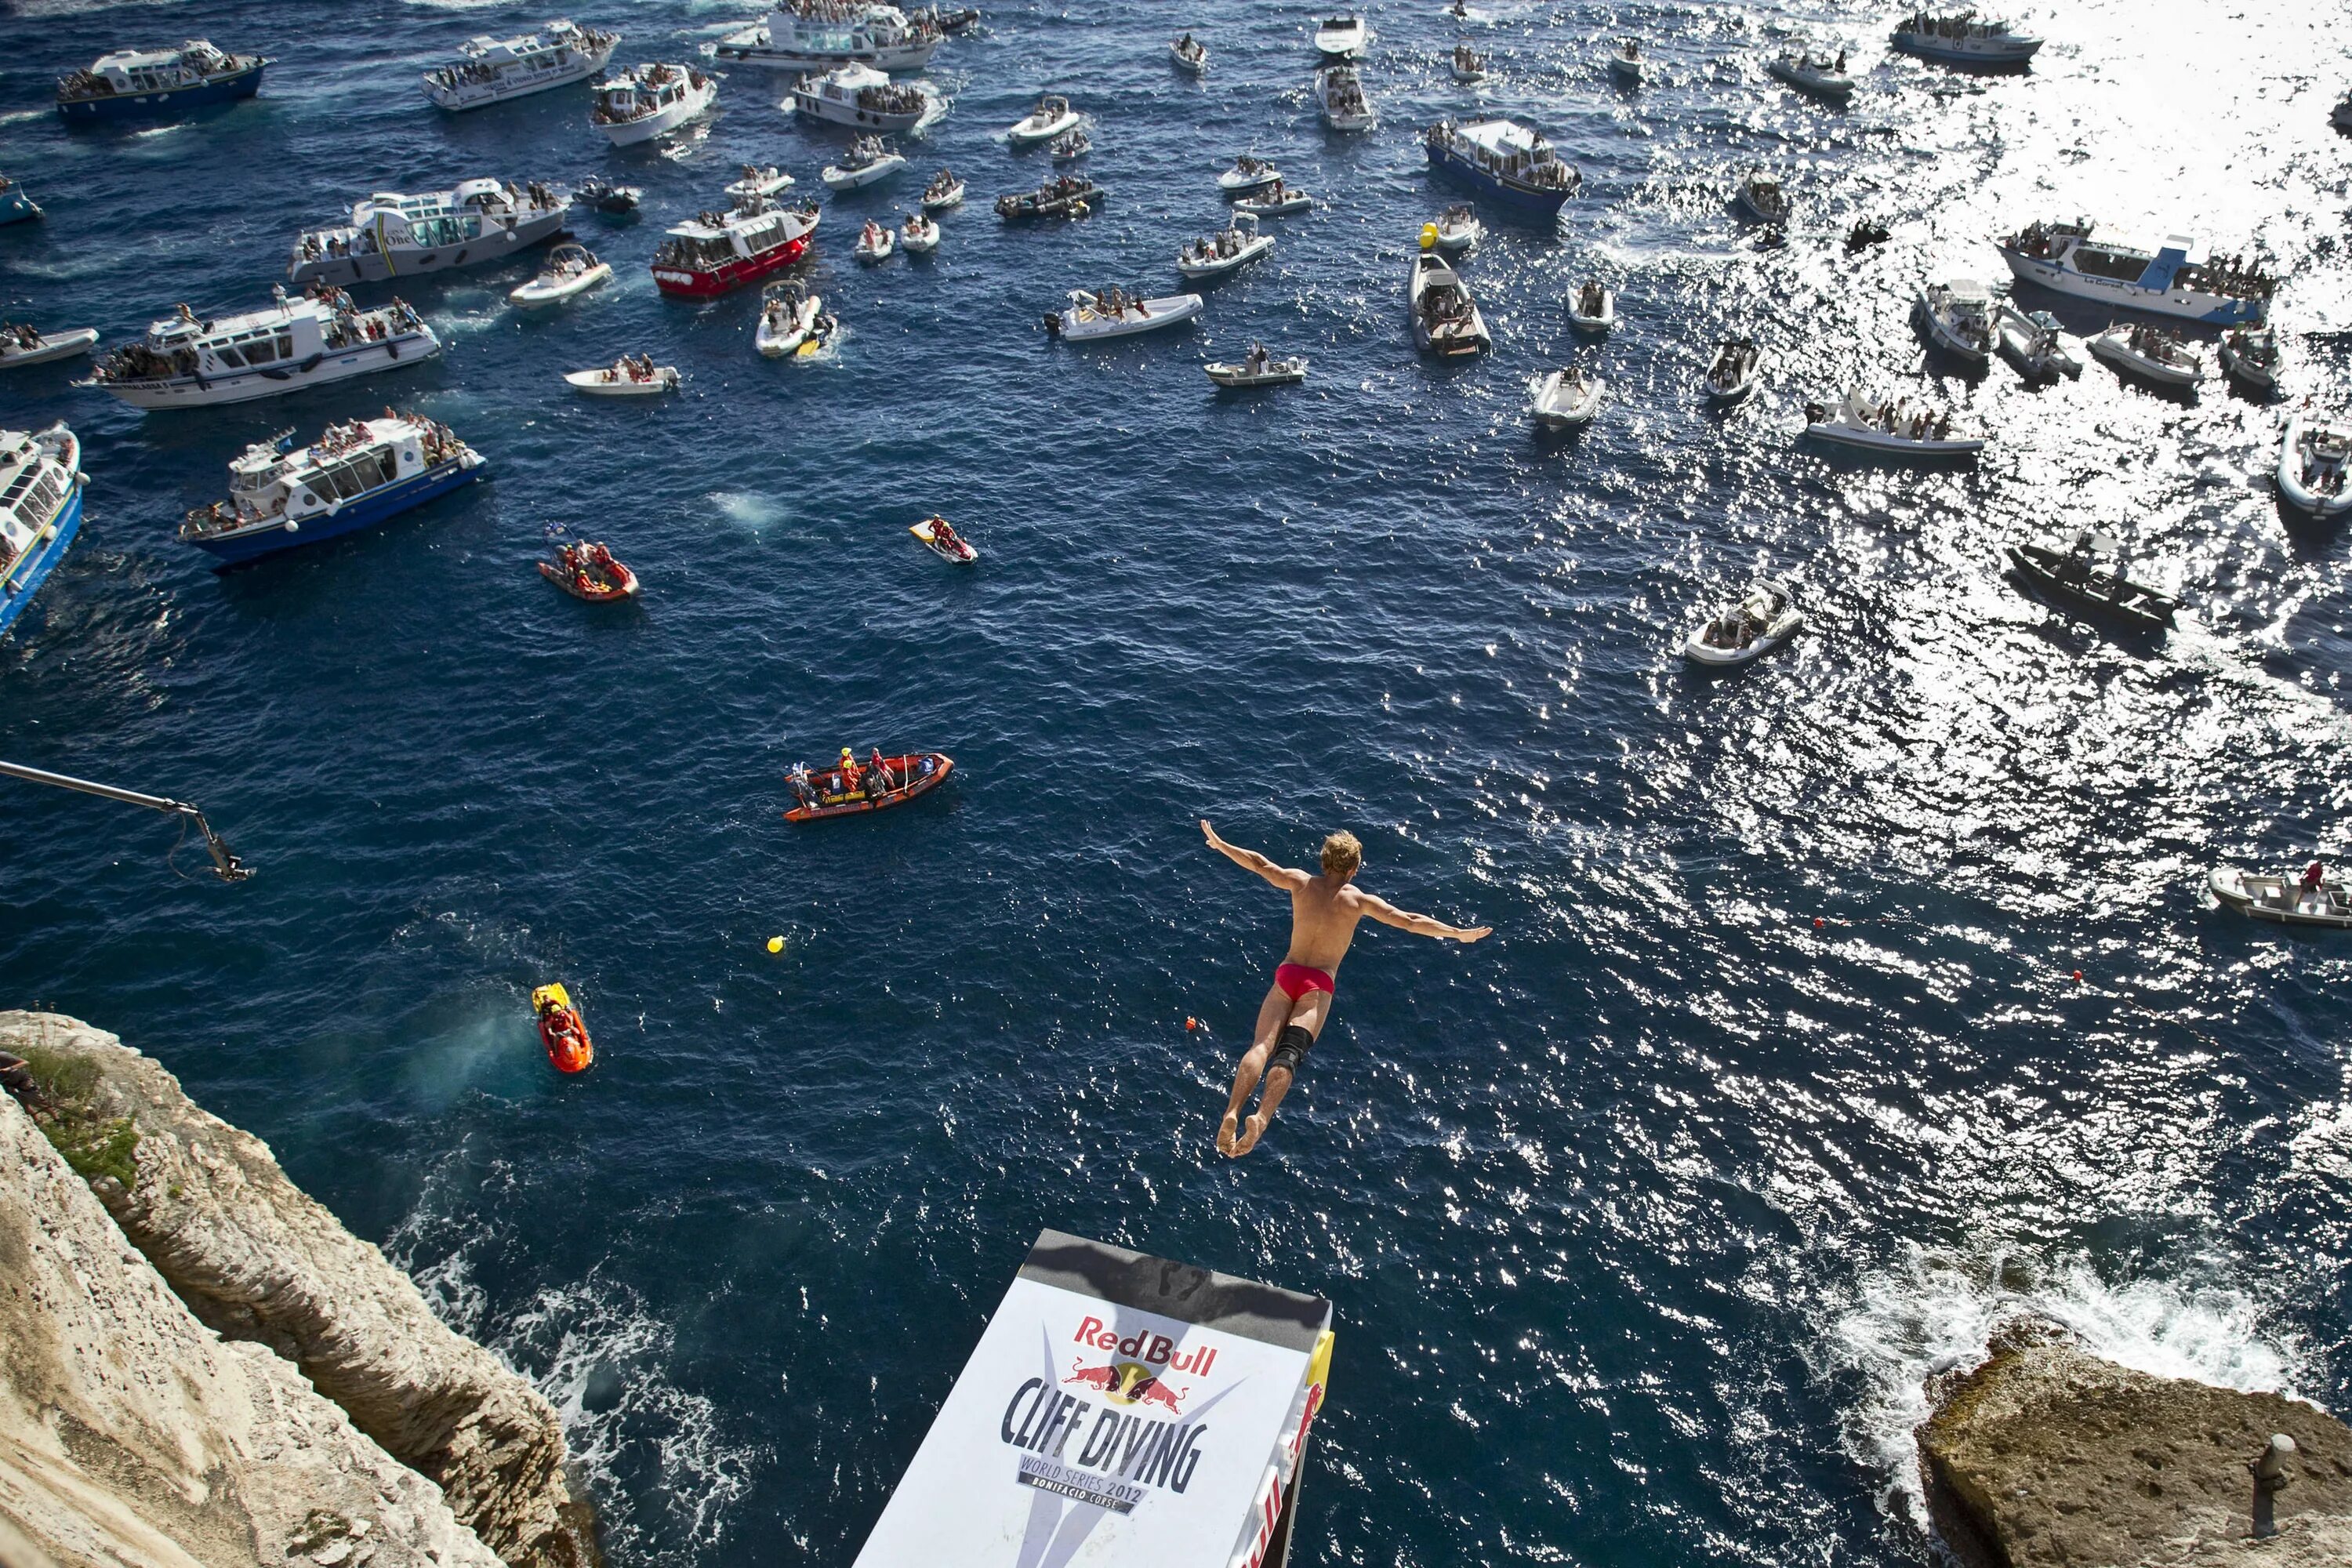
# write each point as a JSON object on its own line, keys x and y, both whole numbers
{"x": 1296, "y": 980}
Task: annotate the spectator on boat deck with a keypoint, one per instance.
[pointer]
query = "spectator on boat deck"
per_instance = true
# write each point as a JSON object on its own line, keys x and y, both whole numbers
{"x": 879, "y": 781}
{"x": 2314, "y": 875}
{"x": 848, "y": 772}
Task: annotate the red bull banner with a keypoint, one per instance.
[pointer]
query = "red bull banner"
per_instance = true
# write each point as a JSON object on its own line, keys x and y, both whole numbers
{"x": 1118, "y": 1409}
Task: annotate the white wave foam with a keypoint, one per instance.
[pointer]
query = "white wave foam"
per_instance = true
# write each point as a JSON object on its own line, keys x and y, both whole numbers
{"x": 1938, "y": 1313}
{"x": 757, "y": 513}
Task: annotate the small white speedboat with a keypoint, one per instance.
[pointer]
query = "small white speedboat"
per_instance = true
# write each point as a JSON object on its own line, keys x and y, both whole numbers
{"x": 24, "y": 346}
{"x": 1764, "y": 618}
{"x": 1469, "y": 66}
{"x": 945, "y": 191}
{"x": 1731, "y": 376}
{"x": 1625, "y": 63}
{"x": 876, "y": 242}
{"x": 1761, "y": 198}
{"x": 1959, "y": 317}
{"x": 1457, "y": 229}
{"x": 2296, "y": 904}
{"x": 758, "y": 181}
{"x": 569, "y": 271}
{"x": 787, "y": 313}
{"x": 1257, "y": 368}
{"x": 1341, "y": 93}
{"x": 918, "y": 236}
{"x": 1114, "y": 313}
{"x": 869, "y": 159}
{"x": 1811, "y": 74}
{"x": 2151, "y": 353}
{"x": 1889, "y": 428}
{"x": 1248, "y": 173}
{"x": 1565, "y": 399}
{"x": 1051, "y": 116}
{"x": 1592, "y": 308}
{"x": 1342, "y": 38}
{"x": 2250, "y": 356}
{"x": 1190, "y": 54}
{"x": 1276, "y": 200}
{"x": 2314, "y": 465}
{"x": 624, "y": 379}
{"x": 1227, "y": 251}
{"x": 2033, "y": 339}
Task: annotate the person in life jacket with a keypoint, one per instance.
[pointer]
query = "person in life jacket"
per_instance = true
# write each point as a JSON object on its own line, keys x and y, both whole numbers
{"x": 561, "y": 1031}
{"x": 849, "y": 771}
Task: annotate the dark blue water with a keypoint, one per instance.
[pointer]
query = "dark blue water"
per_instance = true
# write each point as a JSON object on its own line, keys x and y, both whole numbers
{"x": 1644, "y": 1219}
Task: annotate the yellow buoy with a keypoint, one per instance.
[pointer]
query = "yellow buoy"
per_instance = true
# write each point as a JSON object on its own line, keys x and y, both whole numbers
{"x": 1429, "y": 237}
{"x": 775, "y": 945}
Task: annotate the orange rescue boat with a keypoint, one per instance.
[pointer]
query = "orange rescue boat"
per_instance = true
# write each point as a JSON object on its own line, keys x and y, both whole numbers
{"x": 834, "y": 793}
{"x": 561, "y": 1030}
{"x": 587, "y": 571}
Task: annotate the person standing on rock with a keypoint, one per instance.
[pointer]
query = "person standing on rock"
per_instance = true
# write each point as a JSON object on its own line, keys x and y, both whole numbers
{"x": 1324, "y": 909}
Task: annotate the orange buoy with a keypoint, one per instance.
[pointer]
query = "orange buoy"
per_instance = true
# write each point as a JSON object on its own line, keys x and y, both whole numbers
{"x": 561, "y": 1030}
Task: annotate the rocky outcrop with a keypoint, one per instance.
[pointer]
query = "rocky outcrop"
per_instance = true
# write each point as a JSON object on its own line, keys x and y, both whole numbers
{"x": 2047, "y": 1457}
{"x": 259, "y": 1260}
{"x": 129, "y": 1433}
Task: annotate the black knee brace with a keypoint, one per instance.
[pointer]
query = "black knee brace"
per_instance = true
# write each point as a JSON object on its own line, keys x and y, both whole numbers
{"x": 1290, "y": 1048}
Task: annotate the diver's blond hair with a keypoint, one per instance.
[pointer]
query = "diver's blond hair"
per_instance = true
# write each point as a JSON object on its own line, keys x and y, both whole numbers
{"x": 1342, "y": 854}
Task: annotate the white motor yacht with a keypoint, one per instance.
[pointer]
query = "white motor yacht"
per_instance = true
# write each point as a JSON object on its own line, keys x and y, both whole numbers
{"x": 1051, "y": 116}
{"x": 805, "y": 35}
{"x": 1765, "y": 616}
{"x": 475, "y": 224}
{"x": 1959, "y": 317}
{"x": 861, "y": 96}
{"x": 570, "y": 270}
{"x": 2034, "y": 340}
{"x": 1445, "y": 320}
{"x": 869, "y": 159}
{"x": 1889, "y": 428}
{"x": 631, "y": 375}
{"x": 1342, "y": 38}
{"x": 1961, "y": 40}
{"x": 1116, "y": 313}
{"x": 2314, "y": 465}
{"x": 492, "y": 70}
{"x": 1564, "y": 399}
{"x": 650, "y": 101}
{"x": 1341, "y": 93}
{"x": 190, "y": 361}
{"x": 2150, "y": 353}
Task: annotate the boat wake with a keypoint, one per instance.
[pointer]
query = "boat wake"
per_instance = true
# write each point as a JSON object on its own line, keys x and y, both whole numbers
{"x": 758, "y": 514}
{"x": 1938, "y": 1311}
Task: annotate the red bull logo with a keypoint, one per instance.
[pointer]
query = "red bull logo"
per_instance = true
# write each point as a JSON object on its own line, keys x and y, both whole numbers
{"x": 1127, "y": 1383}
{"x": 1148, "y": 1349}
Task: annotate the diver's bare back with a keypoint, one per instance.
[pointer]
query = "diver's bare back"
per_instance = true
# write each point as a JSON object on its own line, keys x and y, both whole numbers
{"x": 1323, "y": 918}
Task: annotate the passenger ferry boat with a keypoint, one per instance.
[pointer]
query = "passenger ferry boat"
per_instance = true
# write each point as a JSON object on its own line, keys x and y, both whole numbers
{"x": 826, "y": 33}
{"x": 716, "y": 252}
{"x": 863, "y": 97}
{"x": 149, "y": 84}
{"x": 641, "y": 104}
{"x": 186, "y": 362}
{"x": 40, "y": 512}
{"x": 1961, "y": 40}
{"x": 493, "y": 70}
{"x": 392, "y": 236}
{"x": 352, "y": 476}
{"x": 1132, "y": 1410}
{"x": 2063, "y": 257}
{"x": 1510, "y": 163}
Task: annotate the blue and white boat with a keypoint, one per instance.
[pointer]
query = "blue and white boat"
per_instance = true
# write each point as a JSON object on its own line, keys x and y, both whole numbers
{"x": 40, "y": 512}
{"x": 2064, "y": 259}
{"x": 188, "y": 361}
{"x": 1961, "y": 40}
{"x": 15, "y": 206}
{"x": 153, "y": 84}
{"x": 1511, "y": 163}
{"x": 352, "y": 476}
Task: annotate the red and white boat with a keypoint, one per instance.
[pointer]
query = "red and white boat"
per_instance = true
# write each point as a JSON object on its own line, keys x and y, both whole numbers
{"x": 718, "y": 252}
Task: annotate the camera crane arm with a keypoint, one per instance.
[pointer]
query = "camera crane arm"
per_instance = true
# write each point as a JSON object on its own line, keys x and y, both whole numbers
{"x": 225, "y": 864}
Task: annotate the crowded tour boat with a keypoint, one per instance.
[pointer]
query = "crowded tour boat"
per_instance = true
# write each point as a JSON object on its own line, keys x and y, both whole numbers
{"x": 1189, "y": 54}
{"x": 1116, "y": 312}
{"x": 2093, "y": 575}
{"x": 1275, "y": 200}
{"x": 1456, "y": 229}
{"x": 2152, "y": 353}
{"x": 1445, "y": 319}
{"x": 1592, "y": 307}
{"x": 716, "y": 252}
{"x": 855, "y": 787}
{"x": 1761, "y": 198}
{"x": 1809, "y": 73}
{"x": 938, "y": 536}
{"x": 755, "y": 181}
{"x": 918, "y": 236}
{"x": 1564, "y": 399}
{"x": 876, "y": 242}
{"x": 152, "y": 84}
{"x": 1959, "y": 317}
{"x": 944, "y": 192}
{"x": 1341, "y": 93}
{"x": 354, "y": 475}
{"x": 1509, "y": 162}
{"x": 788, "y": 312}
{"x": 2250, "y": 356}
{"x": 392, "y": 236}
{"x": 650, "y": 101}
{"x": 1227, "y": 251}
{"x": 2065, "y": 259}
{"x": 1063, "y": 196}
{"x": 492, "y": 70}
{"x": 631, "y": 375}
{"x": 585, "y": 569}
{"x": 1765, "y": 616}
{"x": 22, "y": 345}
{"x": 15, "y": 206}
{"x": 2315, "y": 462}
{"x": 869, "y": 159}
{"x": 296, "y": 342}
{"x": 861, "y": 96}
{"x": 40, "y": 512}
{"x": 569, "y": 271}
{"x": 802, "y": 34}
{"x": 1259, "y": 367}
{"x": 1961, "y": 40}
{"x": 1889, "y": 428}
{"x": 1342, "y": 38}
{"x": 1731, "y": 375}
{"x": 1469, "y": 66}
{"x": 1051, "y": 116}
{"x": 2033, "y": 339}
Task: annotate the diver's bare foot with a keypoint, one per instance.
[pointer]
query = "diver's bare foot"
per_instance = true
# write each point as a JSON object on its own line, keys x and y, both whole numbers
{"x": 1251, "y": 1131}
{"x": 1226, "y": 1132}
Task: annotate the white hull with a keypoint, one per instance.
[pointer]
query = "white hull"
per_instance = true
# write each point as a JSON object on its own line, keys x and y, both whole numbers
{"x": 2014, "y": 49}
{"x": 1196, "y": 66}
{"x": 1292, "y": 201}
{"x": 951, "y": 197}
{"x": 906, "y": 56}
{"x": 591, "y": 382}
{"x": 2277, "y": 899}
{"x": 185, "y": 392}
{"x": 2113, "y": 348}
{"x": 1779, "y": 630}
{"x": 1557, "y": 405}
{"x": 919, "y": 242}
{"x": 1278, "y": 373}
{"x": 514, "y": 85}
{"x": 1156, "y": 314}
{"x": 1736, "y": 392}
{"x": 691, "y": 104}
{"x": 1886, "y": 443}
{"x": 836, "y": 178}
{"x": 815, "y": 105}
{"x": 2257, "y": 378}
{"x": 1624, "y": 72}
{"x": 1602, "y": 322}
{"x": 1241, "y": 182}
{"x": 878, "y": 249}
{"x": 1947, "y": 335}
{"x": 1342, "y": 43}
{"x": 54, "y": 346}
{"x": 1029, "y": 131}
{"x": 537, "y": 293}
{"x": 2188, "y": 304}
{"x": 2019, "y": 334}
{"x": 1829, "y": 86}
{"x": 2290, "y": 483}
{"x": 1360, "y": 117}
{"x": 791, "y": 334}
{"x": 1217, "y": 267}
